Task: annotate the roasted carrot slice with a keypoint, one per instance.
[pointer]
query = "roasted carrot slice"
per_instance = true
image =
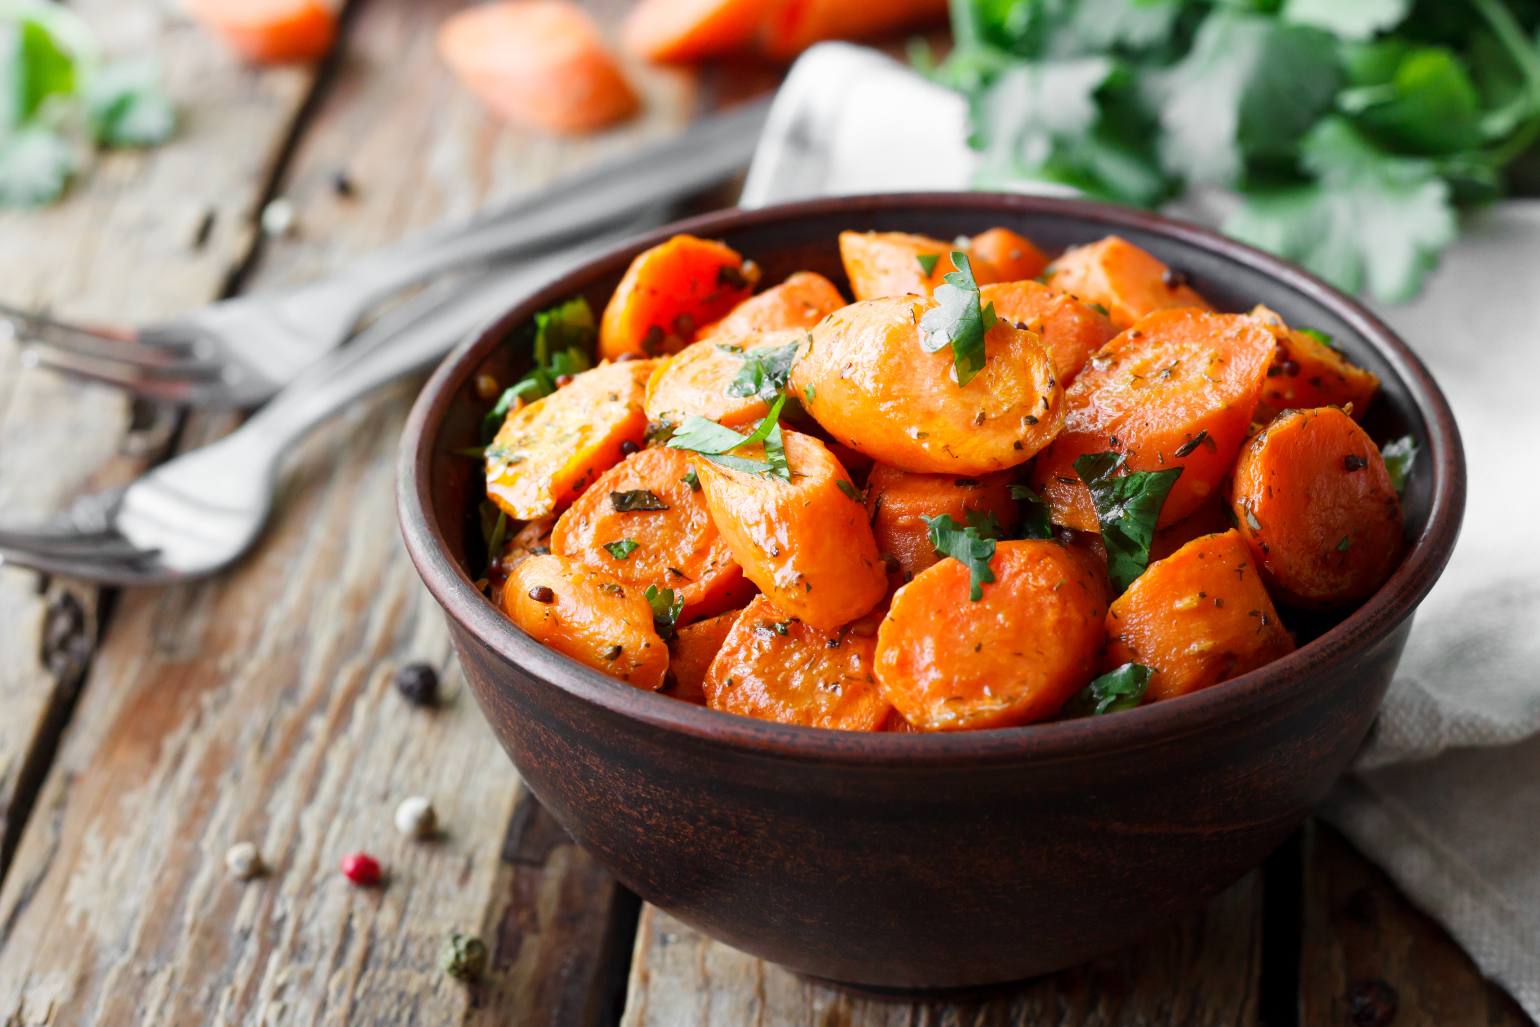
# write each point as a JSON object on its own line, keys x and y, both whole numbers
{"x": 865, "y": 378}
{"x": 1313, "y": 500}
{"x": 805, "y": 542}
{"x": 697, "y": 379}
{"x": 643, "y": 523}
{"x": 948, "y": 663}
{"x": 897, "y": 502}
{"x": 591, "y": 618}
{"x": 547, "y": 451}
{"x": 801, "y": 301}
{"x": 533, "y": 539}
{"x": 679, "y": 31}
{"x": 774, "y": 666}
{"x": 1196, "y": 618}
{"x": 1176, "y": 390}
{"x": 795, "y": 25}
{"x": 1070, "y": 330}
{"x": 1209, "y": 519}
{"x": 669, "y": 292}
{"x": 690, "y": 655}
{"x": 883, "y": 264}
{"x": 537, "y": 63}
{"x": 1125, "y": 280}
{"x": 270, "y": 31}
{"x": 1307, "y": 373}
{"x": 1013, "y": 257}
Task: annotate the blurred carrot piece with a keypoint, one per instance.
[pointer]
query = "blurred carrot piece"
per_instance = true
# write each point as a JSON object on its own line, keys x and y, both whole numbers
{"x": 270, "y": 31}
{"x": 673, "y": 31}
{"x": 795, "y": 25}
{"x": 537, "y": 63}
{"x": 1014, "y": 257}
{"x": 669, "y": 293}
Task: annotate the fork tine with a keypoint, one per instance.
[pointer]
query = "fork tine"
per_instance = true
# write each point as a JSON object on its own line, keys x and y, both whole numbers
{"x": 148, "y": 358}
{"x": 106, "y": 545}
{"x": 26, "y": 324}
{"x": 110, "y": 572}
{"x": 166, "y": 387}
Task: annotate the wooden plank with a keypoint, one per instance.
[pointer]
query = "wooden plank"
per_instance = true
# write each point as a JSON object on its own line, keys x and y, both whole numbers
{"x": 1365, "y": 943}
{"x": 1204, "y": 972}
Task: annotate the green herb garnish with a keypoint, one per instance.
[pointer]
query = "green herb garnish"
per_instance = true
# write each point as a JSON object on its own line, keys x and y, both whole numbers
{"x": 716, "y": 442}
{"x": 691, "y": 479}
{"x": 765, "y": 371}
{"x": 1127, "y": 507}
{"x": 636, "y": 499}
{"x": 564, "y": 338}
{"x": 967, "y": 546}
{"x": 851, "y": 492}
{"x": 1035, "y": 521}
{"x": 958, "y": 320}
{"x": 1318, "y": 336}
{"x": 621, "y": 549}
{"x": 666, "y": 605}
{"x": 1120, "y": 689}
{"x": 1399, "y": 454}
{"x": 928, "y": 262}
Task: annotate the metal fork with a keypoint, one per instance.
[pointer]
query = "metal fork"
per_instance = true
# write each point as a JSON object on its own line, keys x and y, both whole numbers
{"x": 238, "y": 352}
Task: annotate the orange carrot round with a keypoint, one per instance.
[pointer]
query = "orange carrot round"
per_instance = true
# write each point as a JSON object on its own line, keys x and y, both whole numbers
{"x": 1307, "y": 373}
{"x": 1013, "y": 257}
{"x": 680, "y": 31}
{"x": 883, "y": 264}
{"x": 1176, "y": 390}
{"x": 1070, "y": 330}
{"x": 1013, "y": 657}
{"x": 669, "y": 293}
{"x": 1125, "y": 280}
{"x": 794, "y": 25}
{"x": 1196, "y": 618}
{"x": 774, "y": 666}
{"x": 1314, "y": 501}
{"x": 801, "y": 301}
{"x": 612, "y": 529}
{"x": 270, "y": 31}
{"x": 696, "y": 379}
{"x": 897, "y": 502}
{"x": 690, "y": 655}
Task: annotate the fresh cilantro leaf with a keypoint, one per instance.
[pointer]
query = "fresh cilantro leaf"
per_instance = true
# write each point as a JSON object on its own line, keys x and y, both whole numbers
{"x": 1399, "y": 455}
{"x": 36, "y": 163}
{"x": 764, "y": 372}
{"x": 986, "y": 524}
{"x": 716, "y": 442}
{"x": 564, "y": 338}
{"x": 1356, "y": 19}
{"x": 1120, "y": 689}
{"x": 636, "y": 499}
{"x": 1319, "y": 336}
{"x": 927, "y": 262}
{"x": 1033, "y": 111}
{"x": 851, "y": 492}
{"x": 958, "y": 320}
{"x": 621, "y": 549}
{"x": 691, "y": 479}
{"x": 1416, "y": 98}
{"x": 808, "y": 392}
{"x": 666, "y": 606}
{"x": 41, "y": 65}
{"x": 1127, "y": 507}
{"x": 126, "y": 106}
{"x": 1035, "y": 520}
{"x": 965, "y": 545}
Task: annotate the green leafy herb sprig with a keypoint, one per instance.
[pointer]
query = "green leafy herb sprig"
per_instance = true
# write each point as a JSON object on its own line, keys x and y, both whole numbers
{"x": 1127, "y": 508}
{"x": 973, "y": 546}
{"x": 765, "y": 372}
{"x": 564, "y": 341}
{"x": 59, "y": 101}
{"x": 958, "y": 320}
{"x": 1352, "y": 132}
{"x": 716, "y": 442}
{"x": 1120, "y": 689}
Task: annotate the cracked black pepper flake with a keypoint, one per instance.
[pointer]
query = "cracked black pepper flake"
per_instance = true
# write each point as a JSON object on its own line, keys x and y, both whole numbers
{"x": 543, "y": 594}
{"x": 418, "y": 684}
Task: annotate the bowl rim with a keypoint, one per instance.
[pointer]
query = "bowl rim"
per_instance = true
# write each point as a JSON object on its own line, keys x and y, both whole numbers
{"x": 1144, "y": 726}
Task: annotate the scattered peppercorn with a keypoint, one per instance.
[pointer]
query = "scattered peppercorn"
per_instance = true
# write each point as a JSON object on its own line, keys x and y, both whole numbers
{"x": 415, "y": 817}
{"x": 628, "y": 447}
{"x": 464, "y": 957}
{"x": 1174, "y": 278}
{"x": 1371, "y": 1004}
{"x": 543, "y": 594}
{"x": 361, "y": 868}
{"x": 243, "y": 861}
{"x": 418, "y": 684}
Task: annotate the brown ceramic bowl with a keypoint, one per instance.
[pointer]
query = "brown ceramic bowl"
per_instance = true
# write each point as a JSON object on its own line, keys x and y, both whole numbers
{"x": 930, "y": 861}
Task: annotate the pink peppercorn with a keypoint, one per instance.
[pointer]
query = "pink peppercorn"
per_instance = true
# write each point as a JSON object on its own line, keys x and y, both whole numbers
{"x": 362, "y": 869}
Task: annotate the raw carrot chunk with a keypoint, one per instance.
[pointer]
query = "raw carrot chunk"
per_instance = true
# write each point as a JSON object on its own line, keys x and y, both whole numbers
{"x": 669, "y": 292}
{"x": 547, "y": 451}
{"x": 1314, "y": 501}
{"x": 591, "y": 618}
{"x": 270, "y": 31}
{"x": 1196, "y": 618}
{"x": 537, "y": 63}
{"x": 795, "y": 25}
{"x": 803, "y": 300}
{"x": 1070, "y": 330}
{"x": 690, "y": 655}
{"x": 1175, "y": 390}
{"x": 679, "y": 31}
{"x": 897, "y": 502}
{"x": 1307, "y": 373}
{"x": 804, "y": 542}
{"x": 866, "y": 379}
{"x": 774, "y": 666}
{"x": 699, "y": 379}
{"x": 1013, "y": 257}
{"x": 1125, "y": 280}
{"x": 948, "y": 663}
{"x": 643, "y": 523}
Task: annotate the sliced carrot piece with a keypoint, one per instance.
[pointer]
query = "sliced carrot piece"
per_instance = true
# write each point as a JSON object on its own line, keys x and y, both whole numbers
{"x": 691, "y": 652}
{"x": 588, "y": 617}
{"x": 537, "y": 63}
{"x": 883, "y": 264}
{"x": 1176, "y": 390}
{"x": 533, "y": 539}
{"x": 1013, "y": 657}
{"x": 774, "y": 666}
{"x": 1196, "y": 618}
{"x": 679, "y": 31}
{"x": 674, "y": 547}
{"x": 795, "y": 25}
{"x": 865, "y": 378}
{"x": 548, "y": 451}
{"x": 1127, "y": 281}
{"x": 801, "y": 301}
{"x": 669, "y": 292}
{"x": 805, "y": 542}
{"x": 695, "y": 380}
{"x": 897, "y": 502}
{"x": 1211, "y": 518}
{"x": 1313, "y": 500}
{"x": 1013, "y": 257}
{"x": 1070, "y": 330}
{"x": 270, "y": 31}
{"x": 1307, "y": 373}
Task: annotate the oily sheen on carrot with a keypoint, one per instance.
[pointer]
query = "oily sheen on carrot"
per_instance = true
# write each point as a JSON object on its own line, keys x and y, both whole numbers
{"x": 1175, "y": 390}
{"x": 1196, "y": 618}
{"x": 589, "y": 617}
{"x": 270, "y": 31}
{"x": 865, "y": 378}
{"x": 1070, "y": 330}
{"x": 1313, "y": 500}
{"x": 806, "y": 542}
{"x": 1307, "y": 373}
{"x": 1013, "y": 657}
{"x": 776, "y": 667}
{"x": 897, "y": 502}
{"x": 547, "y": 451}
{"x": 1128, "y": 282}
{"x": 695, "y": 380}
{"x": 1013, "y": 257}
{"x": 674, "y": 547}
{"x": 880, "y": 264}
{"x": 690, "y": 655}
{"x": 801, "y": 301}
{"x": 537, "y": 63}
{"x": 679, "y": 31}
{"x": 669, "y": 293}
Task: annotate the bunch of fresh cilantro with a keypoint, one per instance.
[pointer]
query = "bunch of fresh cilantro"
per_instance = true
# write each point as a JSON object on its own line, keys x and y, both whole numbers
{"x": 1350, "y": 132}
{"x": 59, "y": 100}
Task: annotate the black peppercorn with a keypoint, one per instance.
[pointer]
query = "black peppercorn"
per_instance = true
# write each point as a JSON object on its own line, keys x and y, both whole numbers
{"x": 627, "y": 448}
{"x": 1174, "y": 278}
{"x": 342, "y": 185}
{"x": 542, "y": 594}
{"x": 418, "y": 684}
{"x": 1371, "y": 1004}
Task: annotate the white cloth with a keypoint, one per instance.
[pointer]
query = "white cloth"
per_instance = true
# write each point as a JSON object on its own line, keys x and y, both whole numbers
{"x": 1446, "y": 793}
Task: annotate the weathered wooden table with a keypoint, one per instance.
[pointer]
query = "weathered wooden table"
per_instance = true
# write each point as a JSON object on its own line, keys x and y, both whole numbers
{"x": 141, "y": 734}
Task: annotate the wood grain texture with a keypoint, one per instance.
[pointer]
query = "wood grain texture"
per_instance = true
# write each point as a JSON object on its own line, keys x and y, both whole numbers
{"x": 1361, "y": 935}
{"x": 1203, "y": 973}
